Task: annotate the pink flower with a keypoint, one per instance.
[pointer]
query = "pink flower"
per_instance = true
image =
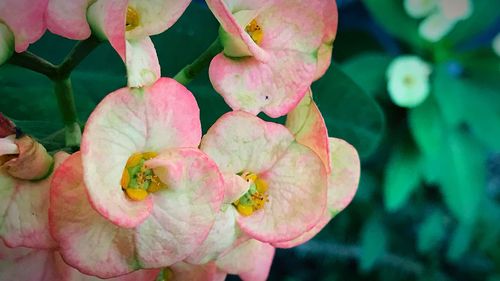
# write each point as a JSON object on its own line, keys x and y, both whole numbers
{"x": 21, "y": 23}
{"x": 24, "y": 203}
{"x": 126, "y": 24}
{"x": 260, "y": 163}
{"x": 309, "y": 129}
{"x": 273, "y": 51}
{"x": 95, "y": 246}
{"x": 24, "y": 264}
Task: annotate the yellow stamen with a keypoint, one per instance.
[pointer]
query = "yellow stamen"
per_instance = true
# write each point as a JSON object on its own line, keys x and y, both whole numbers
{"x": 256, "y": 196}
{"x": 261, "y": 185}
{"x": 137, "y": 180}
{"x": 255, "y": 31}
{"x": 136, "y": 194}
{"x": 245, "y": 210}
{"x": 132, "y": 19}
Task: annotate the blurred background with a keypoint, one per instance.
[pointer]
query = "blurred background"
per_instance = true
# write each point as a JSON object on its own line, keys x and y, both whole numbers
{"x": 428, "y": 204}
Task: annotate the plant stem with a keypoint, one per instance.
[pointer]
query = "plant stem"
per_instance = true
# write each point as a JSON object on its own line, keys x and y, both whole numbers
{"x": 190, "y": 71}
{"x": 33, "y": 62}
{"x": 79, "y": 52}
{"x": 67, "y": 107}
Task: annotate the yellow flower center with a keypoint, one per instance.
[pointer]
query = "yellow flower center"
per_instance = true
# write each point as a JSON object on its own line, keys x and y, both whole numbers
{"x": 132, "y": 19}
{"x": 255, "y": 31}
{"x": 137, "y": 180}
{"x": 256, "y": 196}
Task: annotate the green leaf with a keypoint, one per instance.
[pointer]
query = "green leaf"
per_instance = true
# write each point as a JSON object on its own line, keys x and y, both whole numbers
{"x": 373, "y": 243}
{"x": 392, "y": 16}
{"x": 349, "y": 113}
{"x": 460, "y": 241}
{"x": 368, "y": 70}
{"x": 402, "y": 176}
{"x": 431, "y": 232}
{"x": 453, "y": 159}
{"x": 475, "y": 103}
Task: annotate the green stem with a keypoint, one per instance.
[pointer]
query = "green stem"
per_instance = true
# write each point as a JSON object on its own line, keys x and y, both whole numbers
{"x": 79, "y": 52}
{"x": 190, "y": 71}
{"x": 33, "y": 62}
{"x": 67, "y": 107}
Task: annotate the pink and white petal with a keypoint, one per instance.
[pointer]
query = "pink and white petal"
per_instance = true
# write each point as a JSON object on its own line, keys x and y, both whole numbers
{"x": 324, "y": 60}
{"x": 239, "y": 142}
{"x": 182, "y": 271}
{"x": 297, "y": 200}
{"x": 235, "y": 187}
{"x": 25, "y": 264}
{"x": 143, "y": 67}
{"x": 275, "y": 87}
{"x": 292, "y": 25}
{"x": 344, "y": 178}
{"x": 251, "y": 260}
{"x": 327, "y": 216}
{"x": 154, "y": 118}
{"x": 308, "y": 126}
{"x": 68, "y": 18}
{"x": 235, "y": 28}
{"x": 184, "y": 212}
{"x": 26, "y": 20}
{"x": 24, "y": 217}
{"x": 8, "y": 145}
{"x": 223, "y": 234}
{"x": 6, "y": 43}
{"x": 87, "y": 241}
{"x": 107, "y": 19}
{"x": 155, "y": 16}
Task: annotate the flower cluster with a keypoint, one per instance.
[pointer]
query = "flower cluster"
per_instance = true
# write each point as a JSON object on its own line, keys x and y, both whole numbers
{"x": 148, "y": 195}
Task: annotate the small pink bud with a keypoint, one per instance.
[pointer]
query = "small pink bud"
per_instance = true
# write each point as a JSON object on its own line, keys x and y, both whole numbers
{"x": 32, "y": 163}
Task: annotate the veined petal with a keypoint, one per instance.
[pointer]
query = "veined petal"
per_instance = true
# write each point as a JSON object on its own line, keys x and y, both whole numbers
{"x": 6, "y": 43}
{"x": 24, "y": 210}
{"x": 223, "y": 234}
{"x": 127, "y": 121}
{"x": 87, "y": 241}
{"x": 235, "y": 187}
{"x": 183, "y": 212}
{"x": 308, "y": 126}
{"x": 155, "y": 16}
{"x": 251, "y": 260}
{"x": 69, "y": 18}
{"x": 342, "y": 185}
{"x": 143, "y": 67}
{"x": 25, "y": 18}
{"x": 274, "y": 88}
{"x": 239, "y": 142}
{"x": 297, "y": 200}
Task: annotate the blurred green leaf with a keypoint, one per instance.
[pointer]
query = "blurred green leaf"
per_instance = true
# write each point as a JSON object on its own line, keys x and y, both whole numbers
{"x": 431, "y": 232}
{"x": 452, "y": 158}
{"x": 402, "y": 176}
{"x": 392, "y": 16}
{"x": 349, "y": 113}
{"x": 373, "y": 243}
{"x": 460, "y": 241}
{"x": 368, "y": 70}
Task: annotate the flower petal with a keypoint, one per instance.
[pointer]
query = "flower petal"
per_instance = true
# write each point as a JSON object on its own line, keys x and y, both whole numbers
{"x": 342, "y": 185}
{"x": 185, "y": 211}
{"x": 87, "y": 241}
{"x": 223, "y": 234}
{"x": 297, "y": 200}
{"x": 68, "y": 18}
{"x": 25, "y": 18}
{"x": 156, "y": 16}
{"x": 235, "y": 187}
{"x": 308, "y": 126}
{"x": 8, "y": 146}
{"x": 182, "y": 271}
{"x": 143, "y": 67}
{"x": 6, "y": 43}
{"x": 251, "y": 260}
{"x": 239, "y": 142}
{"x": 24, "y": 211}
{"x": 154, "y": 118}
{"x": 275, "y": 87}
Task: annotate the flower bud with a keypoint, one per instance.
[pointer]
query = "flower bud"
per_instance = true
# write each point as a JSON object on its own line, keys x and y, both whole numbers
{"x": 32, "y": 161}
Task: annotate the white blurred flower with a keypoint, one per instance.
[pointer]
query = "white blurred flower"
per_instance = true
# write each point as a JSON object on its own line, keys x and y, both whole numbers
{"x": 456, "y": 9}
{"x": 420, "y": 8}
{"x": 435, "y": 27}
{"x": 408, "y": 81}
{"x": 496, "y": 44}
